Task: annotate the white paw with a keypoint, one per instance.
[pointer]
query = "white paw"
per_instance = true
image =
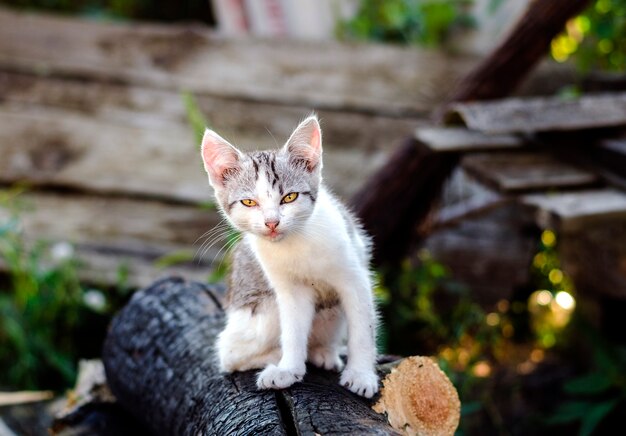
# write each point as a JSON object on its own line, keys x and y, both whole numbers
{"x": 273, "y": 377}
{"x": 364, "y": 383}
{"x": 326, "y": 358}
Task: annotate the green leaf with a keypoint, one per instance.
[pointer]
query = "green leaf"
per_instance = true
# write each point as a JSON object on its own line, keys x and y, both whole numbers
{"x": 174, "y": 258}
{"x": 471, "y": 407}
{"x": 195, "y": 116}
{"x": 570, "y": 411}
{"x": 589, "y": 384}
{"x": 595, "y": 415}
{"x": 207, "y": 205}
{"x": 218, "y": 274}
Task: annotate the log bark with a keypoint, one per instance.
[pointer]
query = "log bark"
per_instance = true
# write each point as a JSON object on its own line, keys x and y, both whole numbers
{"x": 159, "y": 364}
{"x": 398, "y": 198}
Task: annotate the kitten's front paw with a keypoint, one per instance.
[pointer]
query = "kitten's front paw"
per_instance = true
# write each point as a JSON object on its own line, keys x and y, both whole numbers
{"x": 273, "y": 377}
{"x": 364, "y": 383}
{"x": 326, "y": 358}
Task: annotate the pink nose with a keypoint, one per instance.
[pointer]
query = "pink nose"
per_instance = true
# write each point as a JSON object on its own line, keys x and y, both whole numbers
{"x": 272, "y": 224}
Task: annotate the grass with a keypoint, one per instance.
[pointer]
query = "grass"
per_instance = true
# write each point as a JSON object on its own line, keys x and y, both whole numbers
{"x": 48, "y": 318}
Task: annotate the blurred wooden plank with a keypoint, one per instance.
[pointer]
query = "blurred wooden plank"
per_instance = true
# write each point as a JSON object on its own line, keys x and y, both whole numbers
{"x": 116, "y": 149}
{"x": 459, "y": 139}
{"x": 240, "y": 121}
{"x": 527, "y": 171}
{"x": 609, "y": 159}
{"x": 112, "y": 234}
{"x": 21, "y": 397}
{"x": 471, "y": 207}
{"x": 135, "y": 271}
{"x": 365, "y": 77}
{"x": 543, "y": 113}
{"x": 573, "y": 211}
{"x": 45, "y": 146}
{"x": 125, "y": 225}
{"x": 58, "y": 149}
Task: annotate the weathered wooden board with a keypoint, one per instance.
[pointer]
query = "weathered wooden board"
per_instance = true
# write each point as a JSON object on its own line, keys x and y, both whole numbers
{"x": 129, "y": 139}
{"x": 609, "y": 160}
{"x": 543, "y": 113}
{"x": 246, "y": 122}
{"x": 572, "y": 211}
{"x": 526, "y": 171}
{"x": 473, "y": 206}
{"x": 56, "y": 148}
{"x": 362, "y": 77}
{"x": 459, "y": 139}
{"x": 111, "y": 233}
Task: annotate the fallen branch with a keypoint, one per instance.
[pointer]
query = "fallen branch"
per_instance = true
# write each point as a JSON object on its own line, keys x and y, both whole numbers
{"x": 159, "y": 364}
{"x": 22, "y": 397}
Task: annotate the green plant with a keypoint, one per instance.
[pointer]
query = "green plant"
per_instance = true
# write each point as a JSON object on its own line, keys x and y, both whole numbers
{"x": 552, "y": 305}
{"x": 596, "y": 39}
{"x": 425, "y": 311}
{"x": 199, "y": 123}
{"x": 422, "y": 298}
{"x": 195, "y": 117}
{"x": 427, "y": 22}
{"x": 42, "y": 305}
{"x": 592, "y": 396}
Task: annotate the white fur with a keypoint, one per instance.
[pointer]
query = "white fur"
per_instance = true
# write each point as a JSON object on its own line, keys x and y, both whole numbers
{"x": 325, "y": 256}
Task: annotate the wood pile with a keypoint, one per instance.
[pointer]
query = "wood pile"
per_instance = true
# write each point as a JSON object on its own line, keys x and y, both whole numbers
{"x": 549, "y": 163}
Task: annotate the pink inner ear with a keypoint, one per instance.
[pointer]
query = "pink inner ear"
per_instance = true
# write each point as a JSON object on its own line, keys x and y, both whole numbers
{"x": 219, "y": 156}
{"x": 316, "y": 142}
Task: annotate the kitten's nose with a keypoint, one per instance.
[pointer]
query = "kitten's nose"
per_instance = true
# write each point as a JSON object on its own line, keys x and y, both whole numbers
{"x": 272, "y": 224}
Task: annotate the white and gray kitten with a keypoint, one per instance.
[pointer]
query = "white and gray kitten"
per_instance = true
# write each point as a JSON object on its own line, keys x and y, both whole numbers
{"x": 300, "y": 283}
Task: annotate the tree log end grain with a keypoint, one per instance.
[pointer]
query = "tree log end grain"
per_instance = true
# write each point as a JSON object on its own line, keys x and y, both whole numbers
{"x": 418, "y": 398}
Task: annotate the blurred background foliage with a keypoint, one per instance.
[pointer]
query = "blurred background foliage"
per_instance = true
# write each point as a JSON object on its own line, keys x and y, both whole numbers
{"x": 427, "y": 22}
{"x": 48, "y": 318}
{"x": 596, "y": 39}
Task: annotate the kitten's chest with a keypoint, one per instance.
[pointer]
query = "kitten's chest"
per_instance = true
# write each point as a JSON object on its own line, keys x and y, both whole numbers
{"x": 313, "y": 263}
{"x": 303, "y": 257}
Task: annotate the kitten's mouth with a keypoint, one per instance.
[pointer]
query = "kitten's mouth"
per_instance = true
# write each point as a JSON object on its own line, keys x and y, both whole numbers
{"x": 273, "y": 235}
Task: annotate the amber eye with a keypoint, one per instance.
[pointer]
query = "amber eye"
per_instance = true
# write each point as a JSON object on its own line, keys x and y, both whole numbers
{"x": 289, "y": 197}
{"x": 249, "y": 203}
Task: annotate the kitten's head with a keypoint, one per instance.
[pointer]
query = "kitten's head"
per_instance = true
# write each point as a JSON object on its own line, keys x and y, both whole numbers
{"x": 267, "y": 193}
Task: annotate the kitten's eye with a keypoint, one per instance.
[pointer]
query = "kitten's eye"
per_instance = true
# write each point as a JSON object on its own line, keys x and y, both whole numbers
{"x": 289, "y": 197}
{"x": 249, "y": 203}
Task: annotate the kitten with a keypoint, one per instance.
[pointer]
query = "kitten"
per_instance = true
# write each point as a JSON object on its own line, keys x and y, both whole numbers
{"x": 300, "y": 279}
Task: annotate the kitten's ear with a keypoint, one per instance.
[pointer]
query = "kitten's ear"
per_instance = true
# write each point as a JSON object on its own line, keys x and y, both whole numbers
{"x": 305, "y": 144}
{"x": 220, "y": 157}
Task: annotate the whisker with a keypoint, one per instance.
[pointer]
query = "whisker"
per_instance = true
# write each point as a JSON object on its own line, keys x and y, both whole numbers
{"x": 230, "y": 244}
{"x": 206, "y": 245}
{"x": 227, "y": 253}
{"x": 217, "y": 226}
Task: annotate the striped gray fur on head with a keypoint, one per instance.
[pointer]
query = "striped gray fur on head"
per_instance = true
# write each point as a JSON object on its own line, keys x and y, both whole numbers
{"x": 266, "y": 177}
